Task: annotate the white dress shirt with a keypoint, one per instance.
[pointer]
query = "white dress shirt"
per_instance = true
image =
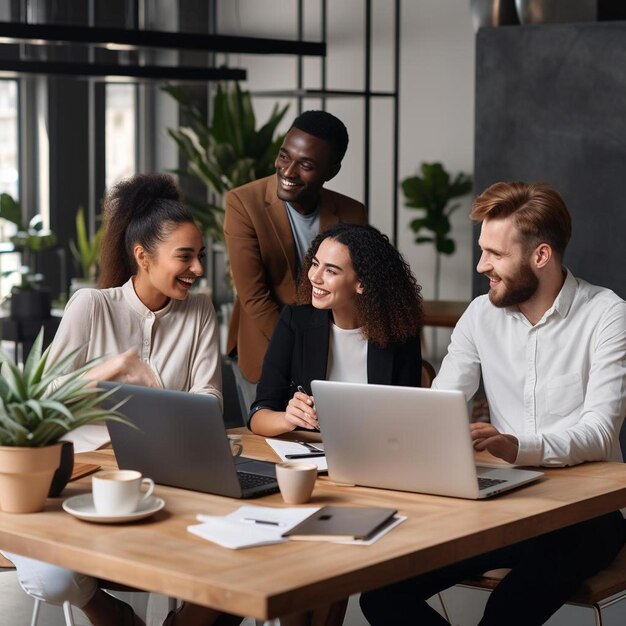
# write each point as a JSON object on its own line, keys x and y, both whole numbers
{"x": 558, "y": 386}
{"x": 179, "y": 343}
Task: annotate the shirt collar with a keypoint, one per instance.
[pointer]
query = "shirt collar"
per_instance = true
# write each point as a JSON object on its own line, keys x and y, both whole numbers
{"x": 137, "y": 305}
{"x": 309, "y": 216}
{"x": 562, "y": 303}
{"x": 564, "y": 300}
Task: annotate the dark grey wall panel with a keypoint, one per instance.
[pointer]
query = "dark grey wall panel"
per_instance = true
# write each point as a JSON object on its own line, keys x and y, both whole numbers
{"x": 551, "y": 106}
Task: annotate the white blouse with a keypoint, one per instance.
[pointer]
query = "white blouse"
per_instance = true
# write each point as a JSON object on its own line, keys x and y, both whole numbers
{"x": 179, "y": 342}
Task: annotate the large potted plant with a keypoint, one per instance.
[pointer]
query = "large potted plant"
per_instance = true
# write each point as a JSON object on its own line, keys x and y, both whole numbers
{"x": 227, "y": 152}
{"x": 224, "y": 153}
{"x": 33, "y": 419}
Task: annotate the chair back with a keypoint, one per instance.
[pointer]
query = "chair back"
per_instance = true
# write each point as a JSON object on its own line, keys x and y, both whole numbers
{"x": 428, "y": 374}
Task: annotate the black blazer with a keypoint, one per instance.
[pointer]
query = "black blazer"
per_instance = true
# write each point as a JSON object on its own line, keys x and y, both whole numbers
{"x": 298, "y": 354}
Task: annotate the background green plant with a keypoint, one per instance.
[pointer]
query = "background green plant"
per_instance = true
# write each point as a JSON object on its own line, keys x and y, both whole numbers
{"x": 30, "y": 416}
{"x": 85, "y": 249}
{"x": 29, "y": 240}
{"x": 431, "y": 193}
{"x": 227, "y": 152}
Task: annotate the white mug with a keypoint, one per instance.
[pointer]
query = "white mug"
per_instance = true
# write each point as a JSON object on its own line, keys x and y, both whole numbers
{"x": 236, "y": 445}
{"x": 119, "y": 492}
{"x": 296, "y": 481}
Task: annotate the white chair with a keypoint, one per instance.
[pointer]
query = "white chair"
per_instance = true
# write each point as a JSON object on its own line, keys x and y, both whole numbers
{"x": 67, "y": 613}
{"x": 7, "y": 566}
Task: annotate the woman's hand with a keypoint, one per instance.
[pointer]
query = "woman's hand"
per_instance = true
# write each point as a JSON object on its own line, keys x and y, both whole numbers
{"x": 301, "y": 412}
{"x": 126, "y": 367}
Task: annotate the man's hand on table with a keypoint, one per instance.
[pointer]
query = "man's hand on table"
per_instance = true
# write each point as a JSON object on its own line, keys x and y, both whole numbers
{"x": 486, "y": 437}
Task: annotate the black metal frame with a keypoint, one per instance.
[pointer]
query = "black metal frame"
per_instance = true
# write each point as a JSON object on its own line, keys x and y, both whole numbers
{"x": 10, "y": 68}
{"x": 300, "y": 93}
{"x": 136, "y": 39}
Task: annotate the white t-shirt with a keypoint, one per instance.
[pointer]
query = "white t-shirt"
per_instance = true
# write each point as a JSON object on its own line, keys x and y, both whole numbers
{"x": 347, "y": 355}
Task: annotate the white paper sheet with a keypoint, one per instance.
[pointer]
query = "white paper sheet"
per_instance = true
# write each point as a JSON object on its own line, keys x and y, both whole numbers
{"x": 395, "y": 521}
{"x": 282, "y": 448}
{"x": 88, "y": 438}
{"x": 250, "y": 526}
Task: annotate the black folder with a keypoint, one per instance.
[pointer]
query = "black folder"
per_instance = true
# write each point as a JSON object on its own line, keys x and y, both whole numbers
{"x": 341, "y": 522}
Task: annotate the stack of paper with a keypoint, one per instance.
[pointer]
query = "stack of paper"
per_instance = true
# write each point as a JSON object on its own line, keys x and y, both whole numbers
{"x": 283, "y": 448}
{"x": 250, "y": 525}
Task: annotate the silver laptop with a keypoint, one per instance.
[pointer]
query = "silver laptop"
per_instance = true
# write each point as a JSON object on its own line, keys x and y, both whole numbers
{"x": 181, "y": 441}
{"x": 405, "y": 438}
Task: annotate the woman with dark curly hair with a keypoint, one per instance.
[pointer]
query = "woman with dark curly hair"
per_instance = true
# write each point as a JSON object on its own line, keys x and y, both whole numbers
{"x": 359, "y": 319}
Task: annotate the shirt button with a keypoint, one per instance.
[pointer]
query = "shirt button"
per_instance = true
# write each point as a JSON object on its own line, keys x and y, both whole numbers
{"x": 146, "y": 343}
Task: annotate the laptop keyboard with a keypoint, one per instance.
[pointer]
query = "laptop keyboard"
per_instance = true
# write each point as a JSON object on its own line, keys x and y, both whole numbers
{"x": 248, "y": 481}
{"x": 485, "y": 483}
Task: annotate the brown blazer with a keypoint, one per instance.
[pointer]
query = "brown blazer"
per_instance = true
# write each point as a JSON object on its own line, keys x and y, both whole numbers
{"x": 262, "y": 254}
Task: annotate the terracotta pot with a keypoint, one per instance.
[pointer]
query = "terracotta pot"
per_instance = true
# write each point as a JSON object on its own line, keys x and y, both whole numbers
{"x": 25, "y": 477}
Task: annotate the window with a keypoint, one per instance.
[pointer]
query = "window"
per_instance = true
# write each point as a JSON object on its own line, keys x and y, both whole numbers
{"x": 120, "y": 133}
{"x": 8, "y": 137}
{"x": 9, "y": 175}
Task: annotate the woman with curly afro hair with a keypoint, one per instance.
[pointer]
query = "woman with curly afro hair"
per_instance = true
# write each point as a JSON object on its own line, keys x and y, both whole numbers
{"x": 358, "y": 320}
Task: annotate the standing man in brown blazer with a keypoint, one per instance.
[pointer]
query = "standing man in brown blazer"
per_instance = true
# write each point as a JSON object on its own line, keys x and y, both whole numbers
{"x": 269, "y": 225}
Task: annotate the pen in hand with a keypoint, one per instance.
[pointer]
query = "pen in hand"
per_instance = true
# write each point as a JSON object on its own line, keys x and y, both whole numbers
{"x": 300, "y": 388}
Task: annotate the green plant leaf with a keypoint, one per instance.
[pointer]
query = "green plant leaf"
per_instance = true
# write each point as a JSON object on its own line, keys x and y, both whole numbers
{"x": 14, "y": 381}
{"x": 27, "y": 418}
{"x": 431, "y": 191}
{"x": 446, "y": 246}
{"x": 10, "y": 210}
{"x": 229, "y": 151}
{"x": 34, "y": 358}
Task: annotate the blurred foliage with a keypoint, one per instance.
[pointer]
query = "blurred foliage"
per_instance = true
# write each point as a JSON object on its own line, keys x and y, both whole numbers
{"x": 227, "y": 152}
{"x": 85, "y": 249}
{"x": 28, "y": 240}
{"x": 431, "y": 192}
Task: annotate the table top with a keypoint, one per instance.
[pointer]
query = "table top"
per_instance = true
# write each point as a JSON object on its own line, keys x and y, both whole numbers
{"x": 159, "y": 555}
{"x": 445, "y": 313}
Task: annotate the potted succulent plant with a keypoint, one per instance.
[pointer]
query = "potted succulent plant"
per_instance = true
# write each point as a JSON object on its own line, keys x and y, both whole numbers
{"x": 33, "y": 419}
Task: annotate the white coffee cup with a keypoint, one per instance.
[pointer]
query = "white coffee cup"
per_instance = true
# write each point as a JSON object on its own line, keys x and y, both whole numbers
{"x": 236, "y": 445}
{"x": 119, "y": 492}
{"x": 296, "y": 481}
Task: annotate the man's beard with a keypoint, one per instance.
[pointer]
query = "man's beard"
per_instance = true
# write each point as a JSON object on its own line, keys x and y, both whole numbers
{"x": 517, "y": 289}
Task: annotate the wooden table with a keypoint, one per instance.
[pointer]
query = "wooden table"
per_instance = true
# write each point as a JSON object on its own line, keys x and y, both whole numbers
{"x": 265, "y": 582}
{"x": 444, "y": 313}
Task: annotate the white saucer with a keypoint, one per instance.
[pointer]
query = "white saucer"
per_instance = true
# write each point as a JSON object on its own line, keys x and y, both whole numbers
{"x": 83, "y": 508}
